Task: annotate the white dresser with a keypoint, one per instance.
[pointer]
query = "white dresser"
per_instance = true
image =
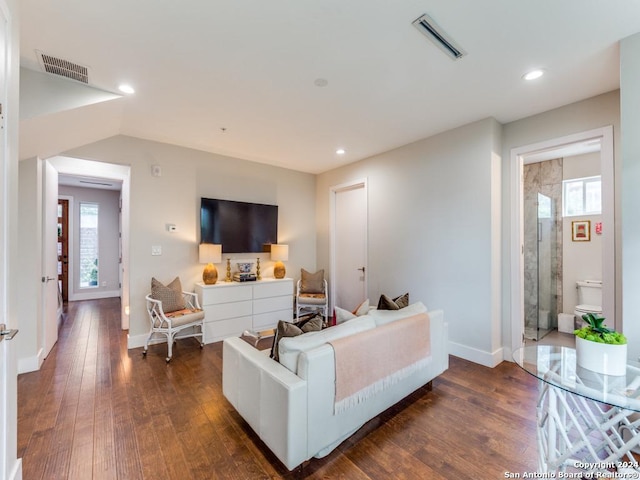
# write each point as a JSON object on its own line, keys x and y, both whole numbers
{"x": 231, "y": 308}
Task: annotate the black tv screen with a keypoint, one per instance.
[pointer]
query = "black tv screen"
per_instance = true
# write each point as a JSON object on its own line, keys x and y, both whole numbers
{"x": 240, "y": 227}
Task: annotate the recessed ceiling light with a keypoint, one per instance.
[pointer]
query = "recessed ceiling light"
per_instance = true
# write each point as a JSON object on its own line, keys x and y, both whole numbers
{"x": 533, "y": 74}
{"x": 128, "y": 89}
{"x": 340, "y": 151}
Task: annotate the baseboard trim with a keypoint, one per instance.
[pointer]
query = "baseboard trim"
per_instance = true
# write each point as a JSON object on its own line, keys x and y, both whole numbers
{"x": 30, "y": 364}
{"x": 137, "y": 341}
{"x": 16, "y": 471}
{"x": 488, "y": 359}
{"x": 94, "y": 295}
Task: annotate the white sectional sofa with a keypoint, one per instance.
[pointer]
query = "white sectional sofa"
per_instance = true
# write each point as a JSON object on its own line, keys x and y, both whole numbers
{"x": 290, "y": 405}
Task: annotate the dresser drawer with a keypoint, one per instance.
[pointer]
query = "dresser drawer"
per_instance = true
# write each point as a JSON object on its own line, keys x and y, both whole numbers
{"x": 265, "y": 321}
{"x": 263, "y": 305}
{"x": 223, "y": 311}
{"x": 273, "y": 289}
{"x": 216, "y": 331}
{"x": 223, "y": 294}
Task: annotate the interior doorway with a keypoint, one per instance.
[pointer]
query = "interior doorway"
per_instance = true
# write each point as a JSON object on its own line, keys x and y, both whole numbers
{"x": 601, "y": 139}
{"x": 75, "y": 167}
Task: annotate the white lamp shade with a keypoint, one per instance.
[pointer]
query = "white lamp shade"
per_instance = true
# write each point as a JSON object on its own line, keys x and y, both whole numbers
{"x": 280, "y": 252}
{"x": 210, "y": 253}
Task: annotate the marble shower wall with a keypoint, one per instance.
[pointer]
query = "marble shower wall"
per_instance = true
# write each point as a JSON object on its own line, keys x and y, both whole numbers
{"x": 545, "y": 178}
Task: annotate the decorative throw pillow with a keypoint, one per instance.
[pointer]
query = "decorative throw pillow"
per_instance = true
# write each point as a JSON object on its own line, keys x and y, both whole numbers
{"x": 312, "y": 325}
{"x": 311, "y": 282}
{"x": 170, "y": 295}
{"x": 284, "y": 329}
{"x": 402, "y": 301}
{"x": 362, "y": 309}
{"x": 386, "y": 303}
{"x": 343, "y": 315}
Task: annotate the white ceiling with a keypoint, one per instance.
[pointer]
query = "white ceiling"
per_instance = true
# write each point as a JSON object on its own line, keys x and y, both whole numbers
{"x": 250, "y": 67}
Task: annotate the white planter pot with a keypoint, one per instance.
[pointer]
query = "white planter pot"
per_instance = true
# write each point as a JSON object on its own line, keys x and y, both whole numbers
{"x": 601, "y": 357}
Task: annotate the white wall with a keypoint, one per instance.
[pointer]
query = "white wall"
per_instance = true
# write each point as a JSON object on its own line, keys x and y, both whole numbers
{"x": 589, "y": 114}
{"x": 434, "y": 230}
{"x": 174, "y": 198}
{"x": 108, "y": 250}
{"x": 630, "y": 119}
{"x": 580, "y": 260}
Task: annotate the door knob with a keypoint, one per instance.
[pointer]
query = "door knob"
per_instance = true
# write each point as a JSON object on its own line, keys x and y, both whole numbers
{"x": 361, "y": 269}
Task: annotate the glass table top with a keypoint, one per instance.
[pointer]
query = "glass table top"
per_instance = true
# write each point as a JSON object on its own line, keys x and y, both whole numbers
{"x": 556, "y": 366}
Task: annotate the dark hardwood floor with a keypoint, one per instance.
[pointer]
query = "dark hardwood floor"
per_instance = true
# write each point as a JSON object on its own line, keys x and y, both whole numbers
{"x": 97, "y": 410}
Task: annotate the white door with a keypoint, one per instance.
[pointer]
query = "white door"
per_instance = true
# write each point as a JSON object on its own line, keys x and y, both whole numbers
{"x": 49, "y": 258}
{"x": 4, "y": 352}
{"x": 349, "y": 246}
{"x": 9, "y": 464}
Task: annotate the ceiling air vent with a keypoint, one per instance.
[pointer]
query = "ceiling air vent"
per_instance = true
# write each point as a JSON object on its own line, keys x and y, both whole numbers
{"x": 63, "y": 68}
{"x": 433, "y": 32}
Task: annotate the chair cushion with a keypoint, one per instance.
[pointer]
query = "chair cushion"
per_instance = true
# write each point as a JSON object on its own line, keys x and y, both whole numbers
{"x": 311, "y": 282}
{"x": 312, "y": 299}
{"x": 170, "y": 295}
{"x": 182, "y": 317}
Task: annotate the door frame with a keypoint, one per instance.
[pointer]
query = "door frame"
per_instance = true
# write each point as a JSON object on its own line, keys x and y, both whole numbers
{"x": 609, "y": 302}
{"x": 333, "y": 192}
{"x": 112, "y": 171}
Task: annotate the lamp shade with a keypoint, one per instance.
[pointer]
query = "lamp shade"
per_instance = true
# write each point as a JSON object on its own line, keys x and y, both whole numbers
{"x": 210, "y": 253}
{"x": 280, "y": 252}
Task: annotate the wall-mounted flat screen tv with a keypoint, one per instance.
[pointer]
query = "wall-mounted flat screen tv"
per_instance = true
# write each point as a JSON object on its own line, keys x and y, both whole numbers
{"x": 240, "y": 227}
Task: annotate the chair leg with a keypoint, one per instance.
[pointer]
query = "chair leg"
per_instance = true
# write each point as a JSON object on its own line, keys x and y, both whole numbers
{"x": 170, "y": 341}
{"x": 146, "y": 343}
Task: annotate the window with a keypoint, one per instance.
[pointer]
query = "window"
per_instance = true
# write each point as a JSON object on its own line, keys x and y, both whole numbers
{"x": 88, "y": 245}
{"x": 582, "y": 196}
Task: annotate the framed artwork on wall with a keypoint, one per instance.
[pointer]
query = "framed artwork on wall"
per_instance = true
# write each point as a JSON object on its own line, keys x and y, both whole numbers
{"x": 581, "y": 231}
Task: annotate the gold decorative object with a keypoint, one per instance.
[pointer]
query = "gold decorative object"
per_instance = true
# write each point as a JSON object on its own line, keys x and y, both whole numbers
{"x": 210, "y": 253}
{"x": 228, "y": 279}
{"x": 258, "y": 269}
{"x": 279, "y": 253}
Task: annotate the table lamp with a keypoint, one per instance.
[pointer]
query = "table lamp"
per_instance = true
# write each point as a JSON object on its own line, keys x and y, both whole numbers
{"x": 279, "y": 253}
{"x": 210, "y": 253}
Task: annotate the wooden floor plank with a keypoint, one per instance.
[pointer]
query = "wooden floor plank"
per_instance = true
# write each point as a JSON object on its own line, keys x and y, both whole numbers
{"x": 97, "y": 410}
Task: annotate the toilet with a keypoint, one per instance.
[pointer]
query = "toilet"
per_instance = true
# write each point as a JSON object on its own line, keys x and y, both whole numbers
{"x": 589, "y": 299}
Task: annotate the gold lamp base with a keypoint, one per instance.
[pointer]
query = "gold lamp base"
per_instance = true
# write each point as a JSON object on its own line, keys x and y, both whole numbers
{"x": 210, "y": 274}
{"x": 279, "y": 270}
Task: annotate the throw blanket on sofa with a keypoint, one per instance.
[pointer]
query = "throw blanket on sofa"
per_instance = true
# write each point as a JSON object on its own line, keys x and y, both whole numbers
{"x": 376, "y": 359}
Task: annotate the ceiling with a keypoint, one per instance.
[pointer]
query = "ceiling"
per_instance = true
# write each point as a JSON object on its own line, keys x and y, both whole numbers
{"x": 240, "y": 78}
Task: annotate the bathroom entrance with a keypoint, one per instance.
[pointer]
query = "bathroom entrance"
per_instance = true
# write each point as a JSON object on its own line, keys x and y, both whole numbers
{"x": 584, "y": 247}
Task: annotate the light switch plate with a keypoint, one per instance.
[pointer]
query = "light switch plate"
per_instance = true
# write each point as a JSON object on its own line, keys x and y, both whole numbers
{"x": 156, "y": 250}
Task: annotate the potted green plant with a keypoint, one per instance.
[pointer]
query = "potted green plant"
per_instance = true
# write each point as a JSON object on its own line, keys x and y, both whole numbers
{"x": 599, "y": 348}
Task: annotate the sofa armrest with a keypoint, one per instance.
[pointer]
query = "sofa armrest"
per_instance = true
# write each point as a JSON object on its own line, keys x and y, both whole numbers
{"x": 271, "y": 398}
{"x": 439, "y": 339}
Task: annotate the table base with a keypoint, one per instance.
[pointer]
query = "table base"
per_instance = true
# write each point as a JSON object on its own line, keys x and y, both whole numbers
{"x": 577, "y": 432}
